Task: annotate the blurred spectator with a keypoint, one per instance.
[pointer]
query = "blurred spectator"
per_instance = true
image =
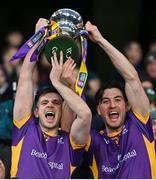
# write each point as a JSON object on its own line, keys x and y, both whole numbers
{"x": 12, "y": 68}
{"x": 44, "y": 68}
{"x": 150, "y": 67}
{"x": 152, "y": 46}
{"x": 5, "y": 88}
{"x": 6, "y": 116}
{"x": 2, "y": 170}
{"x": 92, "y": 86}
{"x": 14, "y": 38}
{"x": 151, "y": 94}
{"x": 152, "y": 97}
{"x": 134, "y": 53}
{"x": 93, "y": 83}
{"x": 146, "y": 82}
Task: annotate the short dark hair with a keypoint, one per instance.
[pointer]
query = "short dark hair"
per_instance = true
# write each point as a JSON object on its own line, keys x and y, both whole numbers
{"x": 109, "y": 85}
{"x": 45, "y": 90}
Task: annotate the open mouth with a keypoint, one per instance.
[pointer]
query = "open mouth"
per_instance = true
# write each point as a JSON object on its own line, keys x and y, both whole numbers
{"x": 113, "y": 115}
{"x": 50, "y": 115}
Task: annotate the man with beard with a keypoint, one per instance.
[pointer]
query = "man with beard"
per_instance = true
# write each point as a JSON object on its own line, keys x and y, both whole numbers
{"x": 125, "y": 149}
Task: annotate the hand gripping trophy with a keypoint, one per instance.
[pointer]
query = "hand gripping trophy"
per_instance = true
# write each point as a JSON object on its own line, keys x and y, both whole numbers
{"x": 65, "y": 32}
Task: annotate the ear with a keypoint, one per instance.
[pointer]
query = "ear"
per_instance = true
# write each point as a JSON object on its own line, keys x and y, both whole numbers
{"x": 36, "y": 112}
{"x": 128, "y": 106}
{"x": 98, "y": 110}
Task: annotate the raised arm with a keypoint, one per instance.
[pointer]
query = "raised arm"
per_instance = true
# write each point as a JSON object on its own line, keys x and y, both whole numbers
{"x": 81, "y": 126}
{"x": 134, "y": 91}
{"x": 69, "y": 79}
{"x": 25, "y": 90}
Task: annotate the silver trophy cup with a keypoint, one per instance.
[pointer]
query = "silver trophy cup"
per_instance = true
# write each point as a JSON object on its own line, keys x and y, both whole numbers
{"x": 68, "y": 35}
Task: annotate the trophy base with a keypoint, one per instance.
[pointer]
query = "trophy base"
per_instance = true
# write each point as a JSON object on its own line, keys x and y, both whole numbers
{"x": 62, "y": 43}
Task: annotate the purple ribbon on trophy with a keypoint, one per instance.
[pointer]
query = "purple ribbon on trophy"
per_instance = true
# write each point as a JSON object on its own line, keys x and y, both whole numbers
{"x": 38, "y": 36}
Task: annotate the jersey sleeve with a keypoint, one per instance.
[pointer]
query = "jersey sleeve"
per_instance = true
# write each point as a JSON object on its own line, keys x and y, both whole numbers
{"x": 144, "y": 124}
{"x": 20, "y": 129}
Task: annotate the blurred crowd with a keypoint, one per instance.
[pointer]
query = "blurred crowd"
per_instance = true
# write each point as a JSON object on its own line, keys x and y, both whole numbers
{"x": 144, "y": 62}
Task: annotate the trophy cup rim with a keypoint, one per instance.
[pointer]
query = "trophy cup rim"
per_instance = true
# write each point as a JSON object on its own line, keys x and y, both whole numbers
{"x": 67, "y": 14}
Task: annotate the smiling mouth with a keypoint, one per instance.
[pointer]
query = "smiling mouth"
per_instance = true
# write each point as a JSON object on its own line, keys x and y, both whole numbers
{"x": 113, "y": 115}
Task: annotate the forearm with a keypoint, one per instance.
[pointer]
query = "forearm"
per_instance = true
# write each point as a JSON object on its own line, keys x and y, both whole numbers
{"x": 72, "y": 99}
{"x": 121, "y": 63}
{"x": 68, "y": 115}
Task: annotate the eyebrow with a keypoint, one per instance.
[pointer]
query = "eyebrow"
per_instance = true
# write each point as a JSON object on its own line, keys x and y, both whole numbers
{"x": 44, "y": 100}
{"x": 47, "y": 100}
{"x": 113, "y": 97}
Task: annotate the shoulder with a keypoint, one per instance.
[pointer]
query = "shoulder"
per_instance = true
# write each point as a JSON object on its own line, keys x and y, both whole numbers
{"x": 133, "y": 115}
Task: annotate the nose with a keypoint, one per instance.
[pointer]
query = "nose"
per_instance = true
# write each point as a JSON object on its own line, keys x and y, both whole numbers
{"x": 50, "y": 104}
{"x": 112, "y": 104}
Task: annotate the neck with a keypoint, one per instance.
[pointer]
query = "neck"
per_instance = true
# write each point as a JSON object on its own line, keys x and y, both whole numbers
{"x": 113, "y": 131}
{"x": 50, "y": 132}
